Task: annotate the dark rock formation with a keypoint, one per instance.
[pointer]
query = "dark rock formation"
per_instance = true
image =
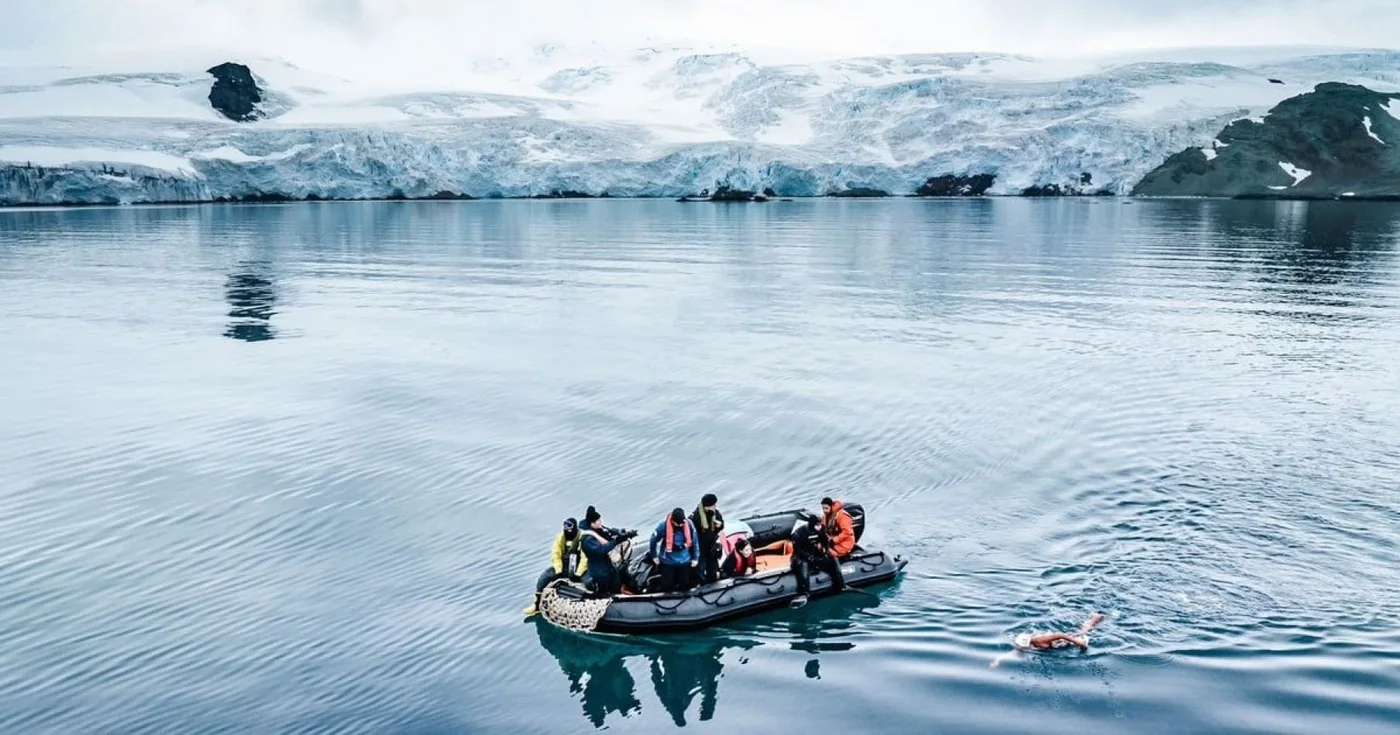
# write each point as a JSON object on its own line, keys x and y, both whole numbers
{"x": 1275, "y": 81}
{"x": 1337, "y": 141}
{"x": 449, "y": 195}
{"x": 569, "y": 194}
{"x": 258, "y": 197}
{"x": 1043, "y": 190}
{"x": 726, "y": 193}
{"x": 235, "y": 93}
{"x": 949, "y": 185}
{"x": 859, "y": 191}
{"x": 1068, "y": 190}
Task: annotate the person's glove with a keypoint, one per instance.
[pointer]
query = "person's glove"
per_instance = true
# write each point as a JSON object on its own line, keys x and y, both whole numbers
{"x": 630, "y": 534}
{"x": 694, "y": 562}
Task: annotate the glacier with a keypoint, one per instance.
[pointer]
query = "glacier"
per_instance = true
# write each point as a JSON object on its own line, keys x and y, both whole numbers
{"x": 643, "y": 123}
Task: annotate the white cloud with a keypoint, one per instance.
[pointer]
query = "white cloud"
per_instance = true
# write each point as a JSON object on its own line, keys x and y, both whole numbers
{"x": 367, "y": 38}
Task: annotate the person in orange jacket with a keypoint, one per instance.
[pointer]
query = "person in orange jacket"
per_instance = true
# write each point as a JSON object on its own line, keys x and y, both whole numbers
{"x": 836, "y": 524}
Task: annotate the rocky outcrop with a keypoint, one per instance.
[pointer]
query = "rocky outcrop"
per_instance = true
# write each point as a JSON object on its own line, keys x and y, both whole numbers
{"x": 726, "y": 193}
{"x": 1337, "y": 141}
{"x": 568, "y": 194}
{"x": 949, "y": 185}
{"x": 860, "y": 192}
{"x": 235, "y": 93}
{"x": 1081, "y": 187}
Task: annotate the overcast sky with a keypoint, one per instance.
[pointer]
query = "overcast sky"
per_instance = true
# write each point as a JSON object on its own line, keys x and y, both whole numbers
{"x": 421, "y": 34}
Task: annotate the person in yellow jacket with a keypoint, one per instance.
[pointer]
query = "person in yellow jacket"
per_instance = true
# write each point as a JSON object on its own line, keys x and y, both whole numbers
{"x": 566, "y": 560}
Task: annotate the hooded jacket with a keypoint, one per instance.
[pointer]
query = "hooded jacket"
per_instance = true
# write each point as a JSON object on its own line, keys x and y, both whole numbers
{"x": 563, "y": 547}
{"x": 841, "y": 537}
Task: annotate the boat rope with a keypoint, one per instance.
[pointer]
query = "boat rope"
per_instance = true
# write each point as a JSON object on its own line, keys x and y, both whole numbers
{"x": 717, "y": 594}
{"x": 573, "y": 613}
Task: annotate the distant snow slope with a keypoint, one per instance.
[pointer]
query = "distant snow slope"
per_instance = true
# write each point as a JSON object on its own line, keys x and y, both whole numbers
{"x": 659, "y": 121}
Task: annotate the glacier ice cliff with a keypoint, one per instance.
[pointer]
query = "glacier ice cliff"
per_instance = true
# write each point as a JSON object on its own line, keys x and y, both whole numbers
{"x": 659, "y": 122}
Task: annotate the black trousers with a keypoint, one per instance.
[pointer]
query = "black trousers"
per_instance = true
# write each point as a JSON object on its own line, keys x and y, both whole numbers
{"x": 605, "y": 580}
{"x": 709, "y": 559}
{"x": 674, "y": 577}
{"x": 546, "y": 577}
{"x": 803, "y": 566}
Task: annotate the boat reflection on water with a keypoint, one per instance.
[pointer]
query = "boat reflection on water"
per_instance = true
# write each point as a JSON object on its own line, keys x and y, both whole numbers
{"x": 685, "y": 665}
{"x": 823, "y": 626}
{"x": 681, "y": 667}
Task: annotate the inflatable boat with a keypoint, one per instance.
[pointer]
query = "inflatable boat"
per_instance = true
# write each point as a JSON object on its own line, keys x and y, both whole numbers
{"x": 774, "y": 585}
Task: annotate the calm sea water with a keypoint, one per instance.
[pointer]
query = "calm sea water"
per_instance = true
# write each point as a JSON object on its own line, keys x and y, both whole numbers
{"x": 295, "y": 468}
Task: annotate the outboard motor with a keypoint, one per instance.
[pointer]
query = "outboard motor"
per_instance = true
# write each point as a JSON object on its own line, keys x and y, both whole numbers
{"x": 857, "y": 513}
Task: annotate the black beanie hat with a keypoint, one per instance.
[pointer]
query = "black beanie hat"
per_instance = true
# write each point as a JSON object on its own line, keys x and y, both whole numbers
{"x": 677, "y": 515}
{"x": 708, "y": 500}
{"x": 826, "y": 501}
{"x": 591, "y": 516}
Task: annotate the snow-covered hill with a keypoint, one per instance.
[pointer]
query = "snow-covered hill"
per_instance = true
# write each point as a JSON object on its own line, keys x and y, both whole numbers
{"x": 646, "y": 122}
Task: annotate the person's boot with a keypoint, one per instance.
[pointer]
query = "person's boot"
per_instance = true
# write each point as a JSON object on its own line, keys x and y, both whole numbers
{"x": 800, "y": 571}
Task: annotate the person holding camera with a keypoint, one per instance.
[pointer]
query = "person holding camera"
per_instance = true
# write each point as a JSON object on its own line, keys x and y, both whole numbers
{"x": 598, "y": 542}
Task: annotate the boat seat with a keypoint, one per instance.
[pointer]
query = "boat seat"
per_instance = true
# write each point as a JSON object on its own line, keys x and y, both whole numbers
{"x": 777, "y": 555}
{"x": 769, "y": 562}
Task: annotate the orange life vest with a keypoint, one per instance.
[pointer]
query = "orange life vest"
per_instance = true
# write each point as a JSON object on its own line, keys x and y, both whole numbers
{"x": 671, "y": 534}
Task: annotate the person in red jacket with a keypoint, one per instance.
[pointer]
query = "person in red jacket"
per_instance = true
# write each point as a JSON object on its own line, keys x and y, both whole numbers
{"x": 739, "y": 563}
{"x": 836, "y": 524}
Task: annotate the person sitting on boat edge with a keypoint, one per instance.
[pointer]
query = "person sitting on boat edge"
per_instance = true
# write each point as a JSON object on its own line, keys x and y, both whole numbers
{"x": 838, "y": 527}
{"x": 810, "y": 549}
{"x": 673, "y": 549}
{"x": 598, "y": 542}
{"x": 566, "y": 560}
{"x": 740, "y": 563}
{"x": 710, "y": 523}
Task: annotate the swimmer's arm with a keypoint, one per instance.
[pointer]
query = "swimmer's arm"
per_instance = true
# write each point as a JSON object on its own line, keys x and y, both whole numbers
{"x": 1089, "y": 624}
{"x": 1047, "y": 640}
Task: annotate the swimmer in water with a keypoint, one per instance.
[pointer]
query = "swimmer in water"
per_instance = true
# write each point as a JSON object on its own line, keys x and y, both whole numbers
{"x": 1050, "y": 641}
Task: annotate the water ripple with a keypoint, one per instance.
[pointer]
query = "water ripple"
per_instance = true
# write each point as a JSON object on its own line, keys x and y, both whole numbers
{"x": 296, "y": 468}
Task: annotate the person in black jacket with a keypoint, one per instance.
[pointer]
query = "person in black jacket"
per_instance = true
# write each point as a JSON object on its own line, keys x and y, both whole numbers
{"x": 809, "y": 549}
{"x": 709, "y": 523}
{"x": 598, "y": 542}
